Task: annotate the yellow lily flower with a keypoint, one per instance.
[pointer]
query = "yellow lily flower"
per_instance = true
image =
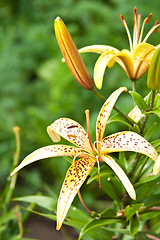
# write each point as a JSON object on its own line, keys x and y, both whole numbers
{"x": 134, "y": 62}
{"x": 87, "y": 153}
{"x": 72, "y": 56}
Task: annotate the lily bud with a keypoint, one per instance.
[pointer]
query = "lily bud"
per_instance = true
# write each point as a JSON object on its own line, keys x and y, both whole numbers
{"x": 153, "y": 80}
{"x": 72, "y": 56}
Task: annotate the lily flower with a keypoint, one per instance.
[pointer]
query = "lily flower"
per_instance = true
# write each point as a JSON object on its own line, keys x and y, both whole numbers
{"x": 135, "y": 61}
{"x": 72, "y": 56}
{"x": 87, "y": 153}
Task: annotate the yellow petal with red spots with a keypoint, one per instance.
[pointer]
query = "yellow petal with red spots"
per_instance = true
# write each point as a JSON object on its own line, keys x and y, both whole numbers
{"x": 98, "y": 49}
{"x": 121, "y": 175}
{"x": 75, "y": 177}
{"x": 71, "y": 131}
{"x": 128, "y": 141}
{"x": 105, "y": 113}
{"x": 47, "y": 152}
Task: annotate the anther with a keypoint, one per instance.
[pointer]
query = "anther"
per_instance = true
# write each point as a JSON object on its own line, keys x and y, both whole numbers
{"x": 148, "y": 18}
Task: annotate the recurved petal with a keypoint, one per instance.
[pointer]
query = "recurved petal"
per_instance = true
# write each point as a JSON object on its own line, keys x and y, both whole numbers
{"x": 47, "y": 152}
{"x": 156, "y": 167}
{"x": 71, "y": 131}
{"x": 105, "y": 113}
{"x": 75, "y": 177}
{"x": 101, "y": 65}
{"x": 142, "y": 55}
{"x": 128, "y": 141}
{"x": 121, "y": 175}
{"x": 97, "y": 49}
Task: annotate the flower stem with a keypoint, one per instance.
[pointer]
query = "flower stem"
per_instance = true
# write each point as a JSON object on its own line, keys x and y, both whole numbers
{"x": 115, "y": 108}
{"x": 80, "y": 198}
{"x": 8, "y": 191}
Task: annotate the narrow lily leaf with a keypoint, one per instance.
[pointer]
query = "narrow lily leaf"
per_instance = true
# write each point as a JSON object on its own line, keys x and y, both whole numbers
{"x": 71, "y": 131}
{"x": 121, "y": 175}
{"x": 110, "y": 189}
{"x": 48, "y": 151}
{"x": 131, "y": 210}
{"x": 104, "y": 172}
{"x": 105, "y": 113}
{"x": 128, "y": 141}
{"x": 9, "y": 215}
{"x": 155, "y": 111}
{"x": 42, "y": 201}
{"x": 75, "y": 177}
{"x": 134, "y": 225}
{"x": 140, "y": 102}
{"x": 96, "y": 223}
{"x": 147, "y": 188}
{"x": 118, "y": 118}
{"x": 149, "y": 132}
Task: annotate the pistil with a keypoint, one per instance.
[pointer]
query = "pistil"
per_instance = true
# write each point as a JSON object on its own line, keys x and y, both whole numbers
{"x": 88, "y": 129}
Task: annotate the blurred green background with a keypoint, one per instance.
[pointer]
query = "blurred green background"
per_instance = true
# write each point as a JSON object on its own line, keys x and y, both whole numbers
{"x": 36, "y": 88}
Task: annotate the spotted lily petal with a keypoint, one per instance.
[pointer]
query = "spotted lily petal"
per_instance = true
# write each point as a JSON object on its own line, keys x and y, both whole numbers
{"x": 47, "y": 152}
{"x": 121, "y": 175}
{"x": 75, "y": 177}
{"x": 141, "y": 55}
{"x": 105, "y": 113}
{"x": 128, "y": 141}
{"x": 156, "y": 167}
{"x": 71, "y": 55}
{"x": 71, "y": 131}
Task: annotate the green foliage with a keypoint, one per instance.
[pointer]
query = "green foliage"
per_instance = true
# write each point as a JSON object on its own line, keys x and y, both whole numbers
{"x": 37, "y": 88}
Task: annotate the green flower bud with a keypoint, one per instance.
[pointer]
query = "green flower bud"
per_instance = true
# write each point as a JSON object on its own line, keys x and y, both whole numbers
{"x": 153, "y": 80}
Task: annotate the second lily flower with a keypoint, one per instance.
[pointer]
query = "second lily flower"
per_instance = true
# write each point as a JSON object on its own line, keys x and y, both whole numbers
{"x": 87, "y": 153}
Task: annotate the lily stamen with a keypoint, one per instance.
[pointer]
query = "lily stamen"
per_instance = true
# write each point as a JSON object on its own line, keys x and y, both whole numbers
{"x": 99, "y": 178}
{"x": 127, "y": 30}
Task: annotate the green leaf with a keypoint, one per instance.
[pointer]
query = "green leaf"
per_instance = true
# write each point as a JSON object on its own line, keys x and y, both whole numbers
{"x": 131, "y": 210}
{"x": 42, "y": 201}
{"x": 118, "y": 118}
{"x": 150, "y": 131}
{"x": 133, "y": 225}
{"x": 104, "y": 172}
{"x": 140, "y": 102}
{"x": 154, "y": 111}
{"x": 148, "y": 215}
{"x": 96, "y": 223}
{"x": 9, "y": 215}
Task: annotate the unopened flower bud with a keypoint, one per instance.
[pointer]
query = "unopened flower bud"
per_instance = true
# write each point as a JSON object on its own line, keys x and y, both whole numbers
{"x": 153, "y": 80}
{"x": 72, "y": 56}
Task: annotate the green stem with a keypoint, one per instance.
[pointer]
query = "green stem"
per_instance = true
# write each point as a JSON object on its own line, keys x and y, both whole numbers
{"x": 7, "y": 193}
{"x": 134, "y": 86}
{"x": 115, "y": 108}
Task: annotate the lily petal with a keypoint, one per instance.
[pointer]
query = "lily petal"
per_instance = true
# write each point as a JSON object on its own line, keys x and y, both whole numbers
{"x": 156, "y": 167}
{"x": 75, "y": 177}
{"x": 97, "y": 49}
{"x": 71, "y": 131}
{"x": 142, "y": 55}
{"x": 121, "y": 175}
{"x": 105, "y": 113}
{"x": 128, "y": 141}
{"x": 47, "y": 152}
{"x": 101, "y": 65}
